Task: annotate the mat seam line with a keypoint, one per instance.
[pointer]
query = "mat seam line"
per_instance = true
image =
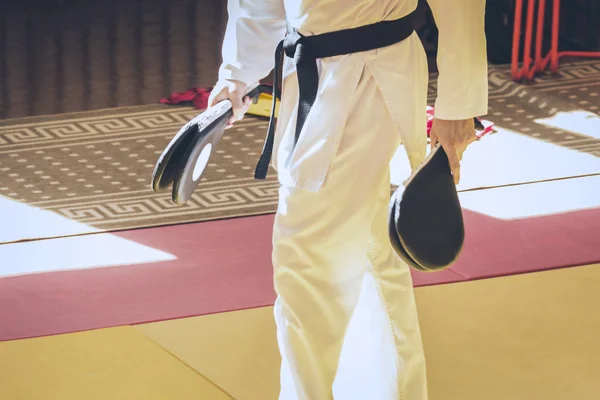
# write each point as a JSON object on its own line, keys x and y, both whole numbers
{"x": 183, "y": 362}
{"x": 110, "y": 231}
{"x": 138, "y": 228}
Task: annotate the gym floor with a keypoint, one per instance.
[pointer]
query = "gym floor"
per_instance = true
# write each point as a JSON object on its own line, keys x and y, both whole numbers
{"x": 108, "y": 290}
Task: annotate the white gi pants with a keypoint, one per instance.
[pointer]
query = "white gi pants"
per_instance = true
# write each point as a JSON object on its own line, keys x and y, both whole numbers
{"x": 338, "y": 281}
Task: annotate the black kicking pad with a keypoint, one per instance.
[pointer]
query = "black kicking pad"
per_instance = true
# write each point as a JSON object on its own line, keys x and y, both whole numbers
{"x": 167, "y": 165}
{"x": 184, "y": 159}
{"x": 426, "y": 224}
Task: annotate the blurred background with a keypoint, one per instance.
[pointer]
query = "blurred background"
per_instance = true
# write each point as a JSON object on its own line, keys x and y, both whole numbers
{"x": 72, "y": 55}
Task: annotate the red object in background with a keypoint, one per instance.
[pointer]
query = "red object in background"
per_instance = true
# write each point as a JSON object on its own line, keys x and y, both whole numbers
{"x": 540, "y": 63}
{"x": 488, "y": 126}
{"x": 198, "y": 97}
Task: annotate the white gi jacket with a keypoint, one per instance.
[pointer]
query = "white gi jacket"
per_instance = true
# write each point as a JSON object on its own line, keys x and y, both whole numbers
{"x": 256, "y": 26}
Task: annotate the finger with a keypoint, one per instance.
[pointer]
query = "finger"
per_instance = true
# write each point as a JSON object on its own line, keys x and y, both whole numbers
{"x": 454, "y": 162}
{"x": 232, "y": 120}
{"x": 247, "y": 104}
{"x": 240, "y": 111}
{"x": 470, "y": 135}
{"x": 432, "y": 139}
{"x": 459, "y": 151}
{"x": 465, "y": 146}
{"x": 470, "y": 139}
{"x": 237, "y": 105}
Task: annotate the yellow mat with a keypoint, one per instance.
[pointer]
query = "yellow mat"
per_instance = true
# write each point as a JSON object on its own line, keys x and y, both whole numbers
{"x": 524, "y": 337}
{"x": 237, "y": 349}
{"x": 109, "y": 364}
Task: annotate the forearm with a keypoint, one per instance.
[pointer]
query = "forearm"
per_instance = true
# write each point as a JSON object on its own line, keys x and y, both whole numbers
{"x": 253, "y": 30}
{"x": 461, "y": 59}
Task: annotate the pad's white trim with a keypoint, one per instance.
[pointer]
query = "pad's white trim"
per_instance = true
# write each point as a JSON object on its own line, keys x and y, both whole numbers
{"x": 422, "y": 165}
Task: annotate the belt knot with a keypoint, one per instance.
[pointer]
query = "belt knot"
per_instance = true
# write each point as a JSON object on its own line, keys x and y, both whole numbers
{"x": 292, "y": 42}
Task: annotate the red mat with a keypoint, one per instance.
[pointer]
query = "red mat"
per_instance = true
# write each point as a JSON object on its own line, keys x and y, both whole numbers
{"x": 226, "y": 265}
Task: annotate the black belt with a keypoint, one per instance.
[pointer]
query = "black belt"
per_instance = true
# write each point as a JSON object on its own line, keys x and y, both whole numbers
{"x": 305, "y": 50}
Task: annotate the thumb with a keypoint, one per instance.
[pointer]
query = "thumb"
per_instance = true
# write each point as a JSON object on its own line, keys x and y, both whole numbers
{"x": 218, "y": 94}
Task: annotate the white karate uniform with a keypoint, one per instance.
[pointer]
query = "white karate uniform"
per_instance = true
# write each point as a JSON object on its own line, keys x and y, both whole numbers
{"x": 345, "y": 312}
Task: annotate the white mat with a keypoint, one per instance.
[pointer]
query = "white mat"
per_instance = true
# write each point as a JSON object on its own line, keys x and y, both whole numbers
{"x": 508, "y": 157}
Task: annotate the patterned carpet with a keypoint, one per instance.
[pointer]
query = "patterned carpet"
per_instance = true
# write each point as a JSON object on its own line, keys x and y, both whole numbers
{"x": 518, "y": 106}
{"x": 95, "y": 167}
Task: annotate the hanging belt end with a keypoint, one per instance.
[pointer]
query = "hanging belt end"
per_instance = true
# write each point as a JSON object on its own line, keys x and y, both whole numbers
{"x": 262, "y": 168}
{"x": 260, "y": 174}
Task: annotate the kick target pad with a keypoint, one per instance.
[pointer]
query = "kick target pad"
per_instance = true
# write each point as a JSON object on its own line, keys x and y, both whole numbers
{"x": 426, "y": 226}
{"x": 184, "y": 159}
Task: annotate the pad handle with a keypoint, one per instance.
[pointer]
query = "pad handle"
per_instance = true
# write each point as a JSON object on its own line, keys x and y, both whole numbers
{"x": 478, "y": 125}
{"x": 253, "y": 93}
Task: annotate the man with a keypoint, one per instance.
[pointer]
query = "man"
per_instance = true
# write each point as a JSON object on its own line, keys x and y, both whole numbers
{"x": 331, "y": 252}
